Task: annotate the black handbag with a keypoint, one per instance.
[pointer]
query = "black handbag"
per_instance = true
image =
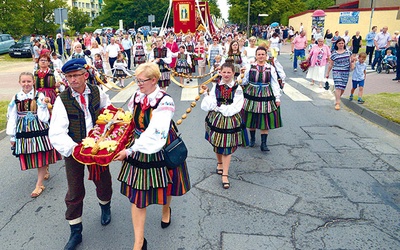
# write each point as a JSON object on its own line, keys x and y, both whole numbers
{"x": 176, "y": 152}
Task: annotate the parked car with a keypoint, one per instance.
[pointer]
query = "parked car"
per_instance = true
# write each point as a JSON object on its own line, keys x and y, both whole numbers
{"x": 23, "y": 48}
{"x": 132, "y": 31}
{"x": 154, "y": 31}
{"x": 104, "y": 30}
{"x": 6, "y": 41}
{"x": 119, "y": 31}
{"x": 98, "y": 31}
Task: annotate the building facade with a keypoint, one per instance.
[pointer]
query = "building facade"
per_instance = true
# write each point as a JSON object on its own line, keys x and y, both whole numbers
{"x": 352, "y": 16}
{"x": 91, "y": 7}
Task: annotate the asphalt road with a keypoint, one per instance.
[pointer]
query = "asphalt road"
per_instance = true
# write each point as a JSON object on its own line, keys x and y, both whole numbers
{"x": 330, "y": 181}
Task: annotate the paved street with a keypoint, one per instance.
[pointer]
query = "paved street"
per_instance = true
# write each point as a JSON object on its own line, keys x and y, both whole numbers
{"x": 330, "y": 181}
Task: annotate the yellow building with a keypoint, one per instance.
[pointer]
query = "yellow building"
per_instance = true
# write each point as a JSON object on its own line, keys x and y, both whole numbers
{"x": 90, "y": 7}
{"x": 352, "y": 16}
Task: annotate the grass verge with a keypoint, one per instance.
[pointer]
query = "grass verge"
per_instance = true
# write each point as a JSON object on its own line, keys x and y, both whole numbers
{"x": 8, "y": 58}
{"x": 3, "y": 114}
{"x": 384, "y": 104}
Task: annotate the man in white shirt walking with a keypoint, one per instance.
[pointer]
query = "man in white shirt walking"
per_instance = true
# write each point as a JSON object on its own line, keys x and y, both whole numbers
{"x": 127, "y": 44}
{"x": 381, "y": 42}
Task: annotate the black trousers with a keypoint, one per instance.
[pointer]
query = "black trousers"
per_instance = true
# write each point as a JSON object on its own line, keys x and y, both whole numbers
{"x": 370, "y": 51}
{"x": 128, "y": 54}
{"x": 76, "y": 188}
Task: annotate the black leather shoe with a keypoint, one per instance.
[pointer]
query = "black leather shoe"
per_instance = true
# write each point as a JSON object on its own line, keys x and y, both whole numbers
{"x": 76, "y": 237}
{"x": 264, "y": 147}
{"x": 396, "y": 79}
{"x": 105, "y": 214}
{"x": 166, "y": 224}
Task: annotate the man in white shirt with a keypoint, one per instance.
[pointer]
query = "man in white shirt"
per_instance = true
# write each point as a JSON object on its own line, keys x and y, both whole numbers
{"x": 112, "y": 52}
{"x": 74, "y": 113}
{"x": 381, "y": 42}
{"x": 127, "y": 44}
{"x": 346, "y": 37}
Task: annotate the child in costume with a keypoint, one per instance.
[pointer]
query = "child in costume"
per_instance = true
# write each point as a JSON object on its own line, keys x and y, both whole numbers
{"x": 223, "y": 121}
{"x": 120, "y": 66}
{"x": 98, "y": 64}
{"x": 28, "y": 125}
{"x": 139, "y": 52}
{"x": 184, "y": 62}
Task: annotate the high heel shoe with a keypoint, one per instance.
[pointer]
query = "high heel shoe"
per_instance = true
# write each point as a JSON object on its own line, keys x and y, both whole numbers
{"x": 166, "y": 224}
{"x": 226, "y": 185}
{"x": 144, "y": 246}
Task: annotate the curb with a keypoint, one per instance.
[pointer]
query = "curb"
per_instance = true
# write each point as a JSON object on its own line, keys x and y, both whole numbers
{"x": 371, "y": 116}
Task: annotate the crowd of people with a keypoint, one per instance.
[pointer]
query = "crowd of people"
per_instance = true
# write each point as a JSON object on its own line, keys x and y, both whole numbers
{"x": 59, "y": 104}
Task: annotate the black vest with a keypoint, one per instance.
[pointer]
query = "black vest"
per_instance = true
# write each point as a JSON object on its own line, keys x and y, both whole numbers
{"x": 76, "y": 116}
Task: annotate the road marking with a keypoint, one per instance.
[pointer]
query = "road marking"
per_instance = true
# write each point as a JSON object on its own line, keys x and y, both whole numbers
{"x": 295, "y": 95}
{"x": 315, "y": 88}
{"x": 188, "y": 94}
{"x": 124, "y": 95}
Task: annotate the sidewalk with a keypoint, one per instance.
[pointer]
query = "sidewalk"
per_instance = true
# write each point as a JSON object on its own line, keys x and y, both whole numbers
{"x": 375, "y": 83}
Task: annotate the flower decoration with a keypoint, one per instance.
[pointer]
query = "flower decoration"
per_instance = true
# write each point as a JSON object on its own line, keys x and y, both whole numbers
{"x": 88, "y": 142}
{"x": 110, "y": 145}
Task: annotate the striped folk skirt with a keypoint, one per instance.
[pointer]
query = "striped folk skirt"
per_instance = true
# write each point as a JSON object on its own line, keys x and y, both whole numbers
{"x": 340, "y": 78}
{"x": 32, "y": 144}
{"x": 164, "y": 80}
{"x": 260, "y": 110}
{"x": 145, "y": 179}
{"x": 223, "y": 132}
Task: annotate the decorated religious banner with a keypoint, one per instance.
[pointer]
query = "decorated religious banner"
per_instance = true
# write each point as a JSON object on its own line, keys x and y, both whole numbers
{"x": 205, "y": 14}
{"x": 184, "y": 16}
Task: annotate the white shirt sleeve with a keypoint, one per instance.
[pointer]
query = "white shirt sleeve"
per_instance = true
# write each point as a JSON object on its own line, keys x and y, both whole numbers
{"x": 42, "y": 111}
{"x": 153, "y": 139}
{"x": 209, "y": 101}
{"x": 58, "y": 132}
{"x": 280, "y": 70}
{"x": 11, "y": 119}
{"x": 275, "y": 85}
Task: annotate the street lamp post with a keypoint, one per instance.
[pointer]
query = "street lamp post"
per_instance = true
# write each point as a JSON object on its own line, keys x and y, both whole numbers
{"x": 248, "y": 19}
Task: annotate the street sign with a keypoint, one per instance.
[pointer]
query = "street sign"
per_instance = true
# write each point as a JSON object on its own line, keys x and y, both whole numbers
{"x": 60, "y": 15}
{"x": 151, "y": 18}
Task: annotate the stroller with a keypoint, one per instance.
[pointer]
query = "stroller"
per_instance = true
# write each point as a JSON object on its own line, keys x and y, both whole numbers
{"x": 388, "y": 61}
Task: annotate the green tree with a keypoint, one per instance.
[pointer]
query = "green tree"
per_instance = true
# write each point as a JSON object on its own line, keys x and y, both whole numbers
{"x": 277, "y": 10}
{"x": 214, "y": 9}
{"x": 14, "y": 22}
{"x": 318, "y": 4}
{"x": 131, "y": 12}
{"x": 77, "y": 19}
{"x": 42, "y": 12}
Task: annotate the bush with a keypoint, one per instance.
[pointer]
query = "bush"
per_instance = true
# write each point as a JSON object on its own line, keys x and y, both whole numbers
{"x": 88, "y": 29}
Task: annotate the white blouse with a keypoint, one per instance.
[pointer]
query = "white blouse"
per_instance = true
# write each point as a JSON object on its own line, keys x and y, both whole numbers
{"x": 210, "y": 101}
{"x": 42, "y": 111}
{"x": 155, "y": 136}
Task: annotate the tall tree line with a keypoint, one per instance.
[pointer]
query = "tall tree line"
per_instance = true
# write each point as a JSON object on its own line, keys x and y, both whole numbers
{"x": 277, "y": 10}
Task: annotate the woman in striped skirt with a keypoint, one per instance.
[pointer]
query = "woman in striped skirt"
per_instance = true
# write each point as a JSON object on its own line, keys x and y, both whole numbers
{"x": 223, "y": 121}
{"x": 28, "y": 127}
{"x": 144, "y": 178}
{"x": 340, "y": 62}
{"x": 262, "y": 102}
